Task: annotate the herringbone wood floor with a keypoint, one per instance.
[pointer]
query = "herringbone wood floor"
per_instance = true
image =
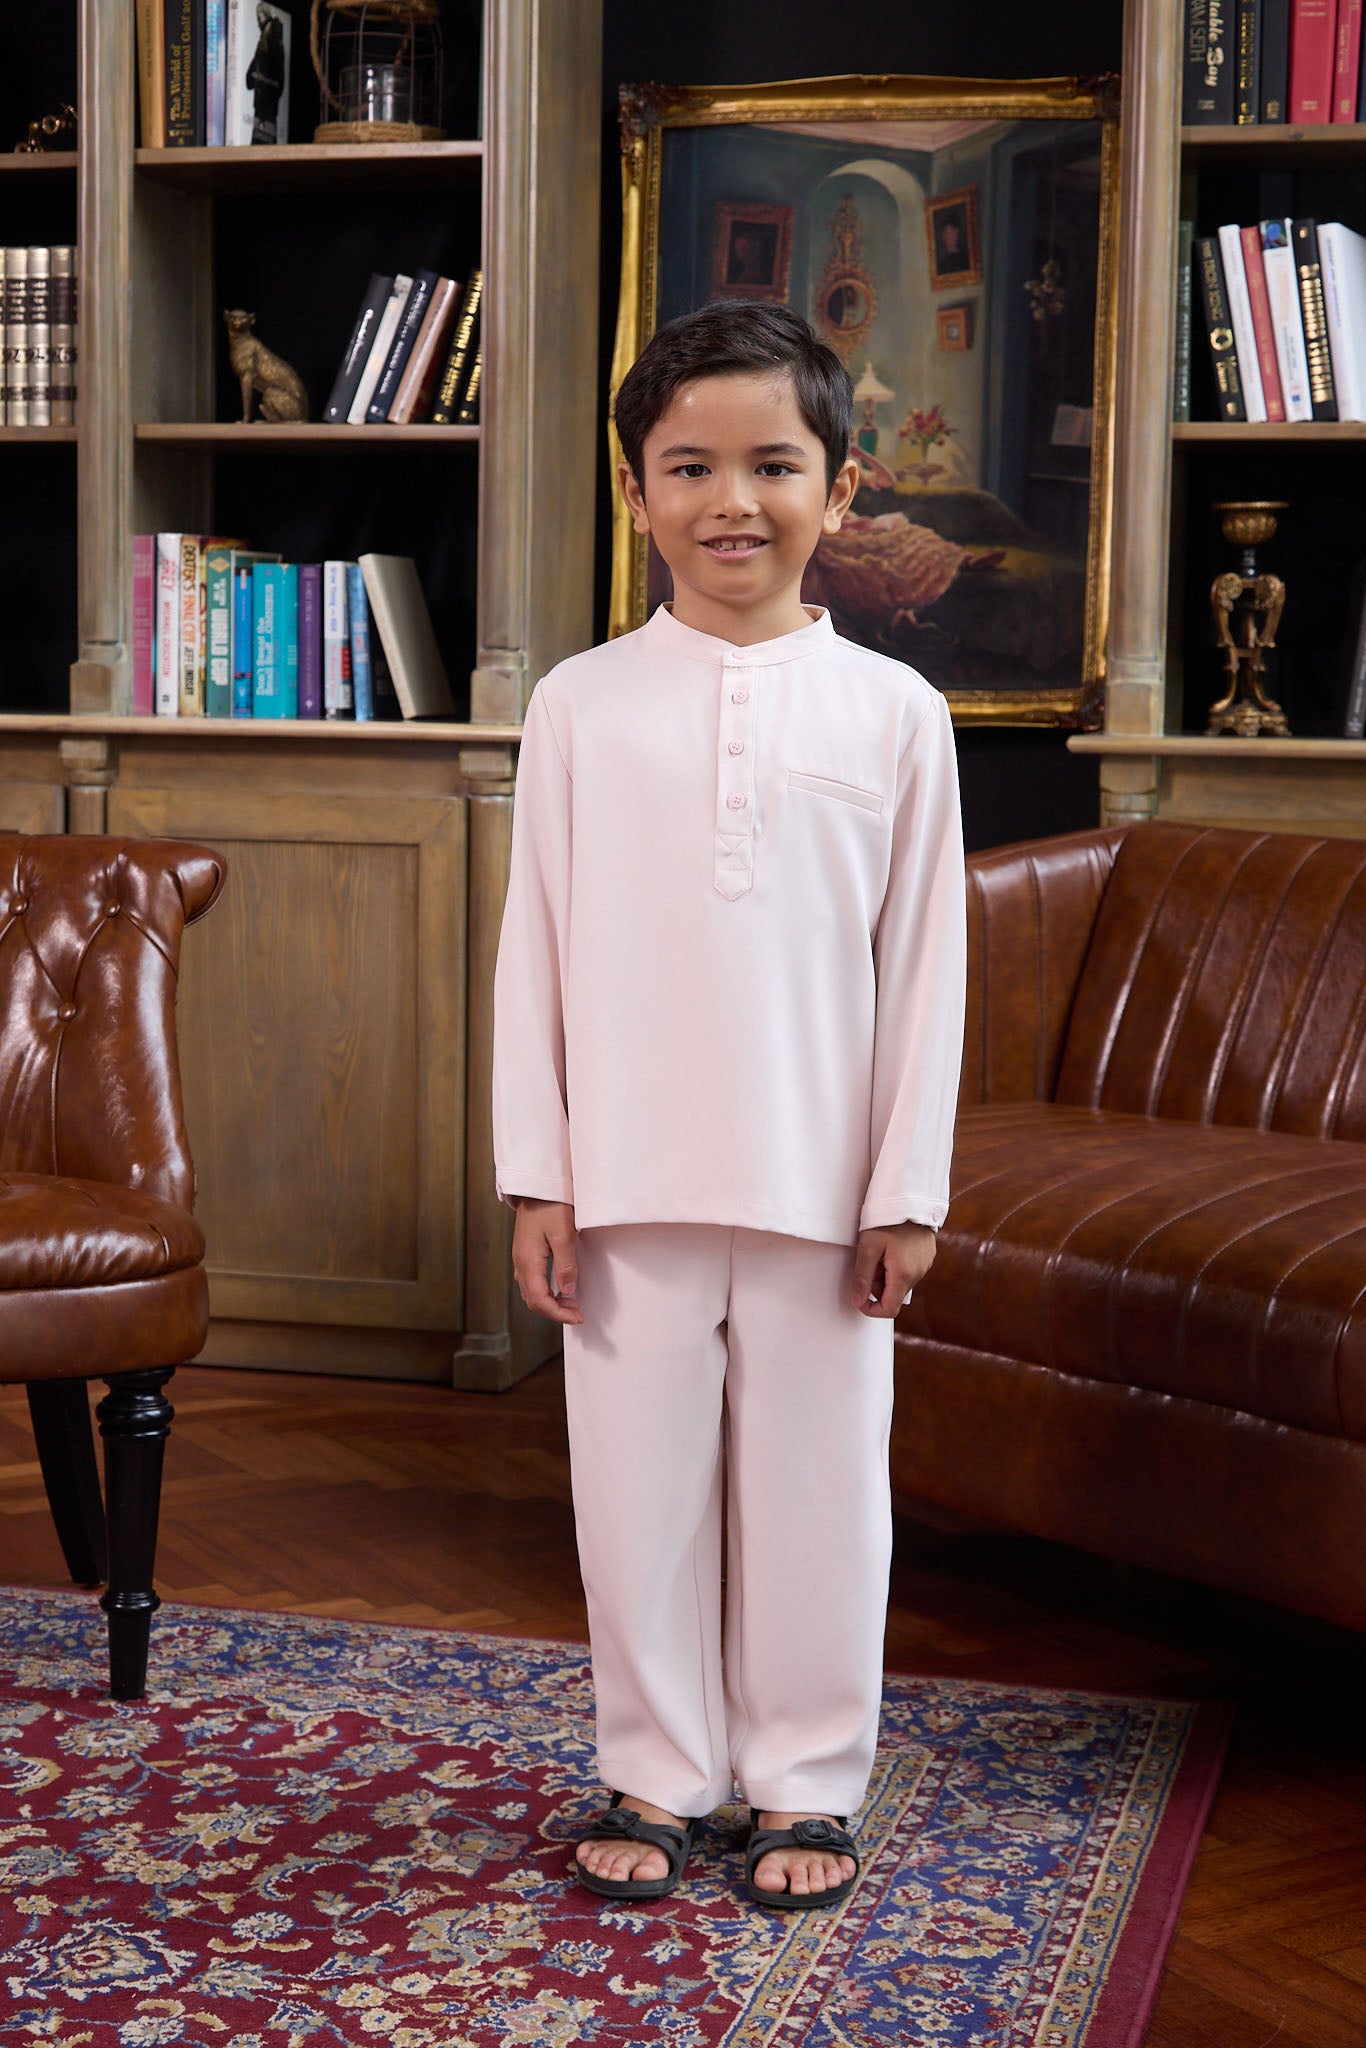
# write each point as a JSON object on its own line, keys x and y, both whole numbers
{"x": 407, "y": 1503}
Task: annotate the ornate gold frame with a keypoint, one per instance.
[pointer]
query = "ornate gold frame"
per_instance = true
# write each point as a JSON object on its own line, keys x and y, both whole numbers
{"x": 647, "y": 110}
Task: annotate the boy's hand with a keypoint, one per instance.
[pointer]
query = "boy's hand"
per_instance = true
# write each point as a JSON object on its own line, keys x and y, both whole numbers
{"x": 888, "y": 1263}
{"x": 544, "y": 1232}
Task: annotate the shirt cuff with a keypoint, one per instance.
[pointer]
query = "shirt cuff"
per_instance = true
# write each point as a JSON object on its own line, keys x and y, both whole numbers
{"x": 545, "y": 1186}
{"x": 886, "y": 1213}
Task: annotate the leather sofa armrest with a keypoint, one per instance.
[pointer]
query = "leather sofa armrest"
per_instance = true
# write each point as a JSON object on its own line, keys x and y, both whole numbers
{"x": 1031, "y": 908}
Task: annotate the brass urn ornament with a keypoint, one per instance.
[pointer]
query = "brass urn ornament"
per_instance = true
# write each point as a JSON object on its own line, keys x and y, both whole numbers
{"x": 379, "y": 66}
{"x": 1247, "y": 605}
{"x": 260, "y": 372}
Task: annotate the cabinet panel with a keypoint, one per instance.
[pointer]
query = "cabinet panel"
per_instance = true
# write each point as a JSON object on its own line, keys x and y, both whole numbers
{"x": 322, "y": 1044}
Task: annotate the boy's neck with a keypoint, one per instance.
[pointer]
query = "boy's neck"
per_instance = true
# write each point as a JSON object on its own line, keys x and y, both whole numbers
{"x": 742, "y": 626}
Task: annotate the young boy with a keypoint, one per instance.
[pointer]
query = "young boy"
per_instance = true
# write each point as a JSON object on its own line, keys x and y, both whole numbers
{"x": 728, "y": 1028}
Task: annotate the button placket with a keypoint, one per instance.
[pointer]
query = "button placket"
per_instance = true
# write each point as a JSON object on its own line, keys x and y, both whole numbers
{"x": 733, "y": 863}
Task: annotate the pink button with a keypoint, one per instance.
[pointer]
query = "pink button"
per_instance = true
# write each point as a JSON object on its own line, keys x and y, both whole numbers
{"x": 737, "y": 802}
{"x": 739, "y": 696}
{"x": 735, "y": 746}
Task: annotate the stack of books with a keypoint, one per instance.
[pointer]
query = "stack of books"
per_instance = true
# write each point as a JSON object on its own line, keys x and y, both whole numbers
{"x": 225, "y": 631}
{"x": 1284, "y": 315}
{"x": 414, "y": 354}
{"x": 213, "y": 72}
{"x": 38, "y": 334}
{"x": 1247, "y": 61}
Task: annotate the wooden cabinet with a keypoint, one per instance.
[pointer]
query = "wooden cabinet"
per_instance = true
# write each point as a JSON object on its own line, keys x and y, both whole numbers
{"x": 1162, "y": 672}
{"x": 336, "y": 1014}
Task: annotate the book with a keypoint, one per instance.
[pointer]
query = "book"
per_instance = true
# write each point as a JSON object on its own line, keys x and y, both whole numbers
{"x": 414, "y": 395}
{"x": 405, "y": 335}
{"x": 1181, "y": 372}
{"x": 1208, "y": 67}
{"x": 144, "y": 623}
{"x": 1309, "y": 277}
{"x": 358, "y": 348}
{"x": 168, "y": 625}
{"x": 1247, "y": 95}
{"x": 257, "y": 59}
{"x": 287, "y": 625}
{"x": 1287, "y": 327}
{"x": 1263, "y": 335}
{"x": 385, "y": 329}
{"x": 1342, "y": 254}
{"x": 1209, "y": 278}
{"x": 39, "y": 383}
{"x": 183, "y": 43}
{"x": 1240, "y": 319}
{"x": 16, "y": 337}
{"x": 1353, "y": 659}
{"x": 190, "y": 644}
{"x": 1275, "y": 59}
{"x": 269, "y": 593}
{"x": 460, "y": 353}
{"x": 1347, "y": 61}
{"x": 468, "y": 413}
{"x": 218, "y": 558}
{"x": 62, "y": 391}
{"x": 336, "y": 642}
{"x": 1313, "y": 56}
{"x": 310, "y": 687}
{"x": 404, "y": 626}
{"x": 358, "y": 620}
{"x": 151, "y": 32}
{"x": 215, "y": 73}
{"x": 241, "y": 563}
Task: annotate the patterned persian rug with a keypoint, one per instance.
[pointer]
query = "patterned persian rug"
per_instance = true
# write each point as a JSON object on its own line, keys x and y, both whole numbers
{"x": 315, "y": 1833}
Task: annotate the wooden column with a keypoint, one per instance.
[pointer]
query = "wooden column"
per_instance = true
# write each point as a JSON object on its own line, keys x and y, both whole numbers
{"x": 102, "y": 674}
{"x": 1150, "y": 172}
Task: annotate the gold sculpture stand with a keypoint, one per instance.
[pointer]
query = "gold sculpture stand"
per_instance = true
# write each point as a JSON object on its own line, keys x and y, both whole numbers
{"x": 1247, "y": 607}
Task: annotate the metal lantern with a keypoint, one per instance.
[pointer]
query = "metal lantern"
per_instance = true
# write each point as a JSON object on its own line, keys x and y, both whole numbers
{"x": 379, "y": 67}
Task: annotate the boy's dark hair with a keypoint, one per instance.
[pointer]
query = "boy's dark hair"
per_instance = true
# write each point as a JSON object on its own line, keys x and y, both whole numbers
{"x": 729, "y": 336}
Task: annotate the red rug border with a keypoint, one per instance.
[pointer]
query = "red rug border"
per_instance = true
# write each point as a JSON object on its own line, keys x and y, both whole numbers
{"x": 1135, "y": 1973}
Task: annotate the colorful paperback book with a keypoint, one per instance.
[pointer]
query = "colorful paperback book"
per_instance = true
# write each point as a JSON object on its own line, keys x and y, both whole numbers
{"x": 168, "y": 625}
{"x": 227, "y": 686}
{"x": 1283, "y": 299}
{"x": 358, "y": 618}
{"x": 1347, "y": 61}
{"x": 1264, "y": 339}
{"x": 144, "y": 623}
{"x": 336, "y": 642}
{"x": 1240, "y": 319}
{"x": 215, "y": 74}
{"x": 190, "y": 644}
{"x": 1313, "y": 59}
{"x": 269, "y": 640}
{"x": 289, "y": 640}
{"x": 256, "y": 67}
{"x": 310, "y": 640}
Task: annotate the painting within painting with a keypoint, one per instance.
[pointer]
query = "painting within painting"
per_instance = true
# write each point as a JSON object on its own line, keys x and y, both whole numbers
{"x": 966, "y": 550}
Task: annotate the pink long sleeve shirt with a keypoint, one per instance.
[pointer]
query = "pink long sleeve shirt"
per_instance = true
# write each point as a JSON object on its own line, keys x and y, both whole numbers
{"x": 730, "y": 977}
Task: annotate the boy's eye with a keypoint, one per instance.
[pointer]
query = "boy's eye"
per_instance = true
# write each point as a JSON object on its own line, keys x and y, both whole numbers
{"x": 776, "y": 469}
{"x": 691, "y": 469}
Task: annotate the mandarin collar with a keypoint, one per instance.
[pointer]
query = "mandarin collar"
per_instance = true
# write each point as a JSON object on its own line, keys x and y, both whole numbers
{"x": 671, "y": 635}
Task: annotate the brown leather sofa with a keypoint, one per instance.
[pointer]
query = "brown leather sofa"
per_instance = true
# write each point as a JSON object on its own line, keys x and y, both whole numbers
{"x": 1145, "y": 1331}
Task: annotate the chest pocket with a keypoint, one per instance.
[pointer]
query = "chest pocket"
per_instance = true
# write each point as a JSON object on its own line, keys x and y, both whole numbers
{"x": 843, "y": 792}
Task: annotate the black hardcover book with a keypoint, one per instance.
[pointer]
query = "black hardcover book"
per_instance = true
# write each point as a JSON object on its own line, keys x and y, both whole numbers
{"x": 396, "y": 362}
{"x": 183, "y": 37}
{"x": 357, "y": 349}
{"x": 1208, "y": 63}
{"x": 1352, "y": 688}
{"x": 464, "y": 341}
{"x": 1247, "y": 95}
{"x": 1323, "y": 397}
{"x": 1275, "y": 60}
{"x": 1209, "y": 279}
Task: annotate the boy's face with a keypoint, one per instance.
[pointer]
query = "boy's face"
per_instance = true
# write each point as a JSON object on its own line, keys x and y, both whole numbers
{"x": 735, "y": 497}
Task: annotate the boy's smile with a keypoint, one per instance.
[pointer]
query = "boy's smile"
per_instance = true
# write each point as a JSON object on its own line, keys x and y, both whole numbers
{"x": 735, "y": 497}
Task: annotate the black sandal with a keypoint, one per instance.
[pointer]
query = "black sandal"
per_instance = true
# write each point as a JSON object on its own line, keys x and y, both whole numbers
{"x": 623, "y": 1824}
{"x": 803, "y": 1834}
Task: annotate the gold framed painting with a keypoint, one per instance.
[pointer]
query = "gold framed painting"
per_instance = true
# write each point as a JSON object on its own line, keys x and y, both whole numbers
{"x": 978, "y": 546}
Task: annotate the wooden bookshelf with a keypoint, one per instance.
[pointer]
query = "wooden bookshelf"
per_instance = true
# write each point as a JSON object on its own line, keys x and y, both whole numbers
{"x": 336, "y": 1012}
{"x": 1268, "y": 145}
{"x": 39, "y": 163}
{"x": 1213, "y": 432}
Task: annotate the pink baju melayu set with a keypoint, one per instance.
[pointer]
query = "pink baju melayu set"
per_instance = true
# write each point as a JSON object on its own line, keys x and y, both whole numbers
{"x": 728, "y": 1014}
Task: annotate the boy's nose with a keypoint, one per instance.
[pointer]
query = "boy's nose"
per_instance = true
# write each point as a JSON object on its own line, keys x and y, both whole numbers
{"x": 735, "y": 497}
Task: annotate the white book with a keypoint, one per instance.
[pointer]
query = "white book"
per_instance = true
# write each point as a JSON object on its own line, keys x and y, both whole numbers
{"x": 379, "y": 349}
{"x": 1240, "y": 320}
{"x": 407, "y": 636}
{"x": 16, "y": 337}
{"x": 39, "y": 337}
{"x": 1287, "y": 322}
{"x": 167, "y": 699}
{"x": 256, "y": 58}
{"x": 1342, "y": 255}
{"x": 337, "y": 700}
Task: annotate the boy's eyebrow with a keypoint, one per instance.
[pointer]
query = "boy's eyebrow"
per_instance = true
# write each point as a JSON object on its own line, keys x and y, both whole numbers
{"x": 764, "y": 448}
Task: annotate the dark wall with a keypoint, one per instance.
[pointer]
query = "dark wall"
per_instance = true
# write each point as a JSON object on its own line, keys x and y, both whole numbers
{"x": 1017, "y": 784}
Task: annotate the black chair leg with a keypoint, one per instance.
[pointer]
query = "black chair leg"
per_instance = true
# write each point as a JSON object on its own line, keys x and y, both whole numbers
{"x": 60, "y": 1410}
{"x": 135, "y": 1419}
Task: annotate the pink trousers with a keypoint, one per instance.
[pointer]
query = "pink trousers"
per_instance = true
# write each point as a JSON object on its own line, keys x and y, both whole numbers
{"x": 713, "y": 1359}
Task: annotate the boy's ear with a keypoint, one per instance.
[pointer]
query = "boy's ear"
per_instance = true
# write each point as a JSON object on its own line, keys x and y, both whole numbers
{"x": 841, "y": 496}
{"x": 634, "y": 496}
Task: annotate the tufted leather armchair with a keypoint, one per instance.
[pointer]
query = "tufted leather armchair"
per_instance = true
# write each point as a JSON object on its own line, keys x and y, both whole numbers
{"x": 101, "y": 1261}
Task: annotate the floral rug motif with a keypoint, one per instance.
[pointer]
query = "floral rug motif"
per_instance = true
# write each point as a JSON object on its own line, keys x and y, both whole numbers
{"x": 316, "y": 1832}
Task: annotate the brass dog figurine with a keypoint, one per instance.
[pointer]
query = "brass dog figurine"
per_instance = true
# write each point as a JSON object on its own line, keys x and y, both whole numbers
{"x": 259, "y": 369}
